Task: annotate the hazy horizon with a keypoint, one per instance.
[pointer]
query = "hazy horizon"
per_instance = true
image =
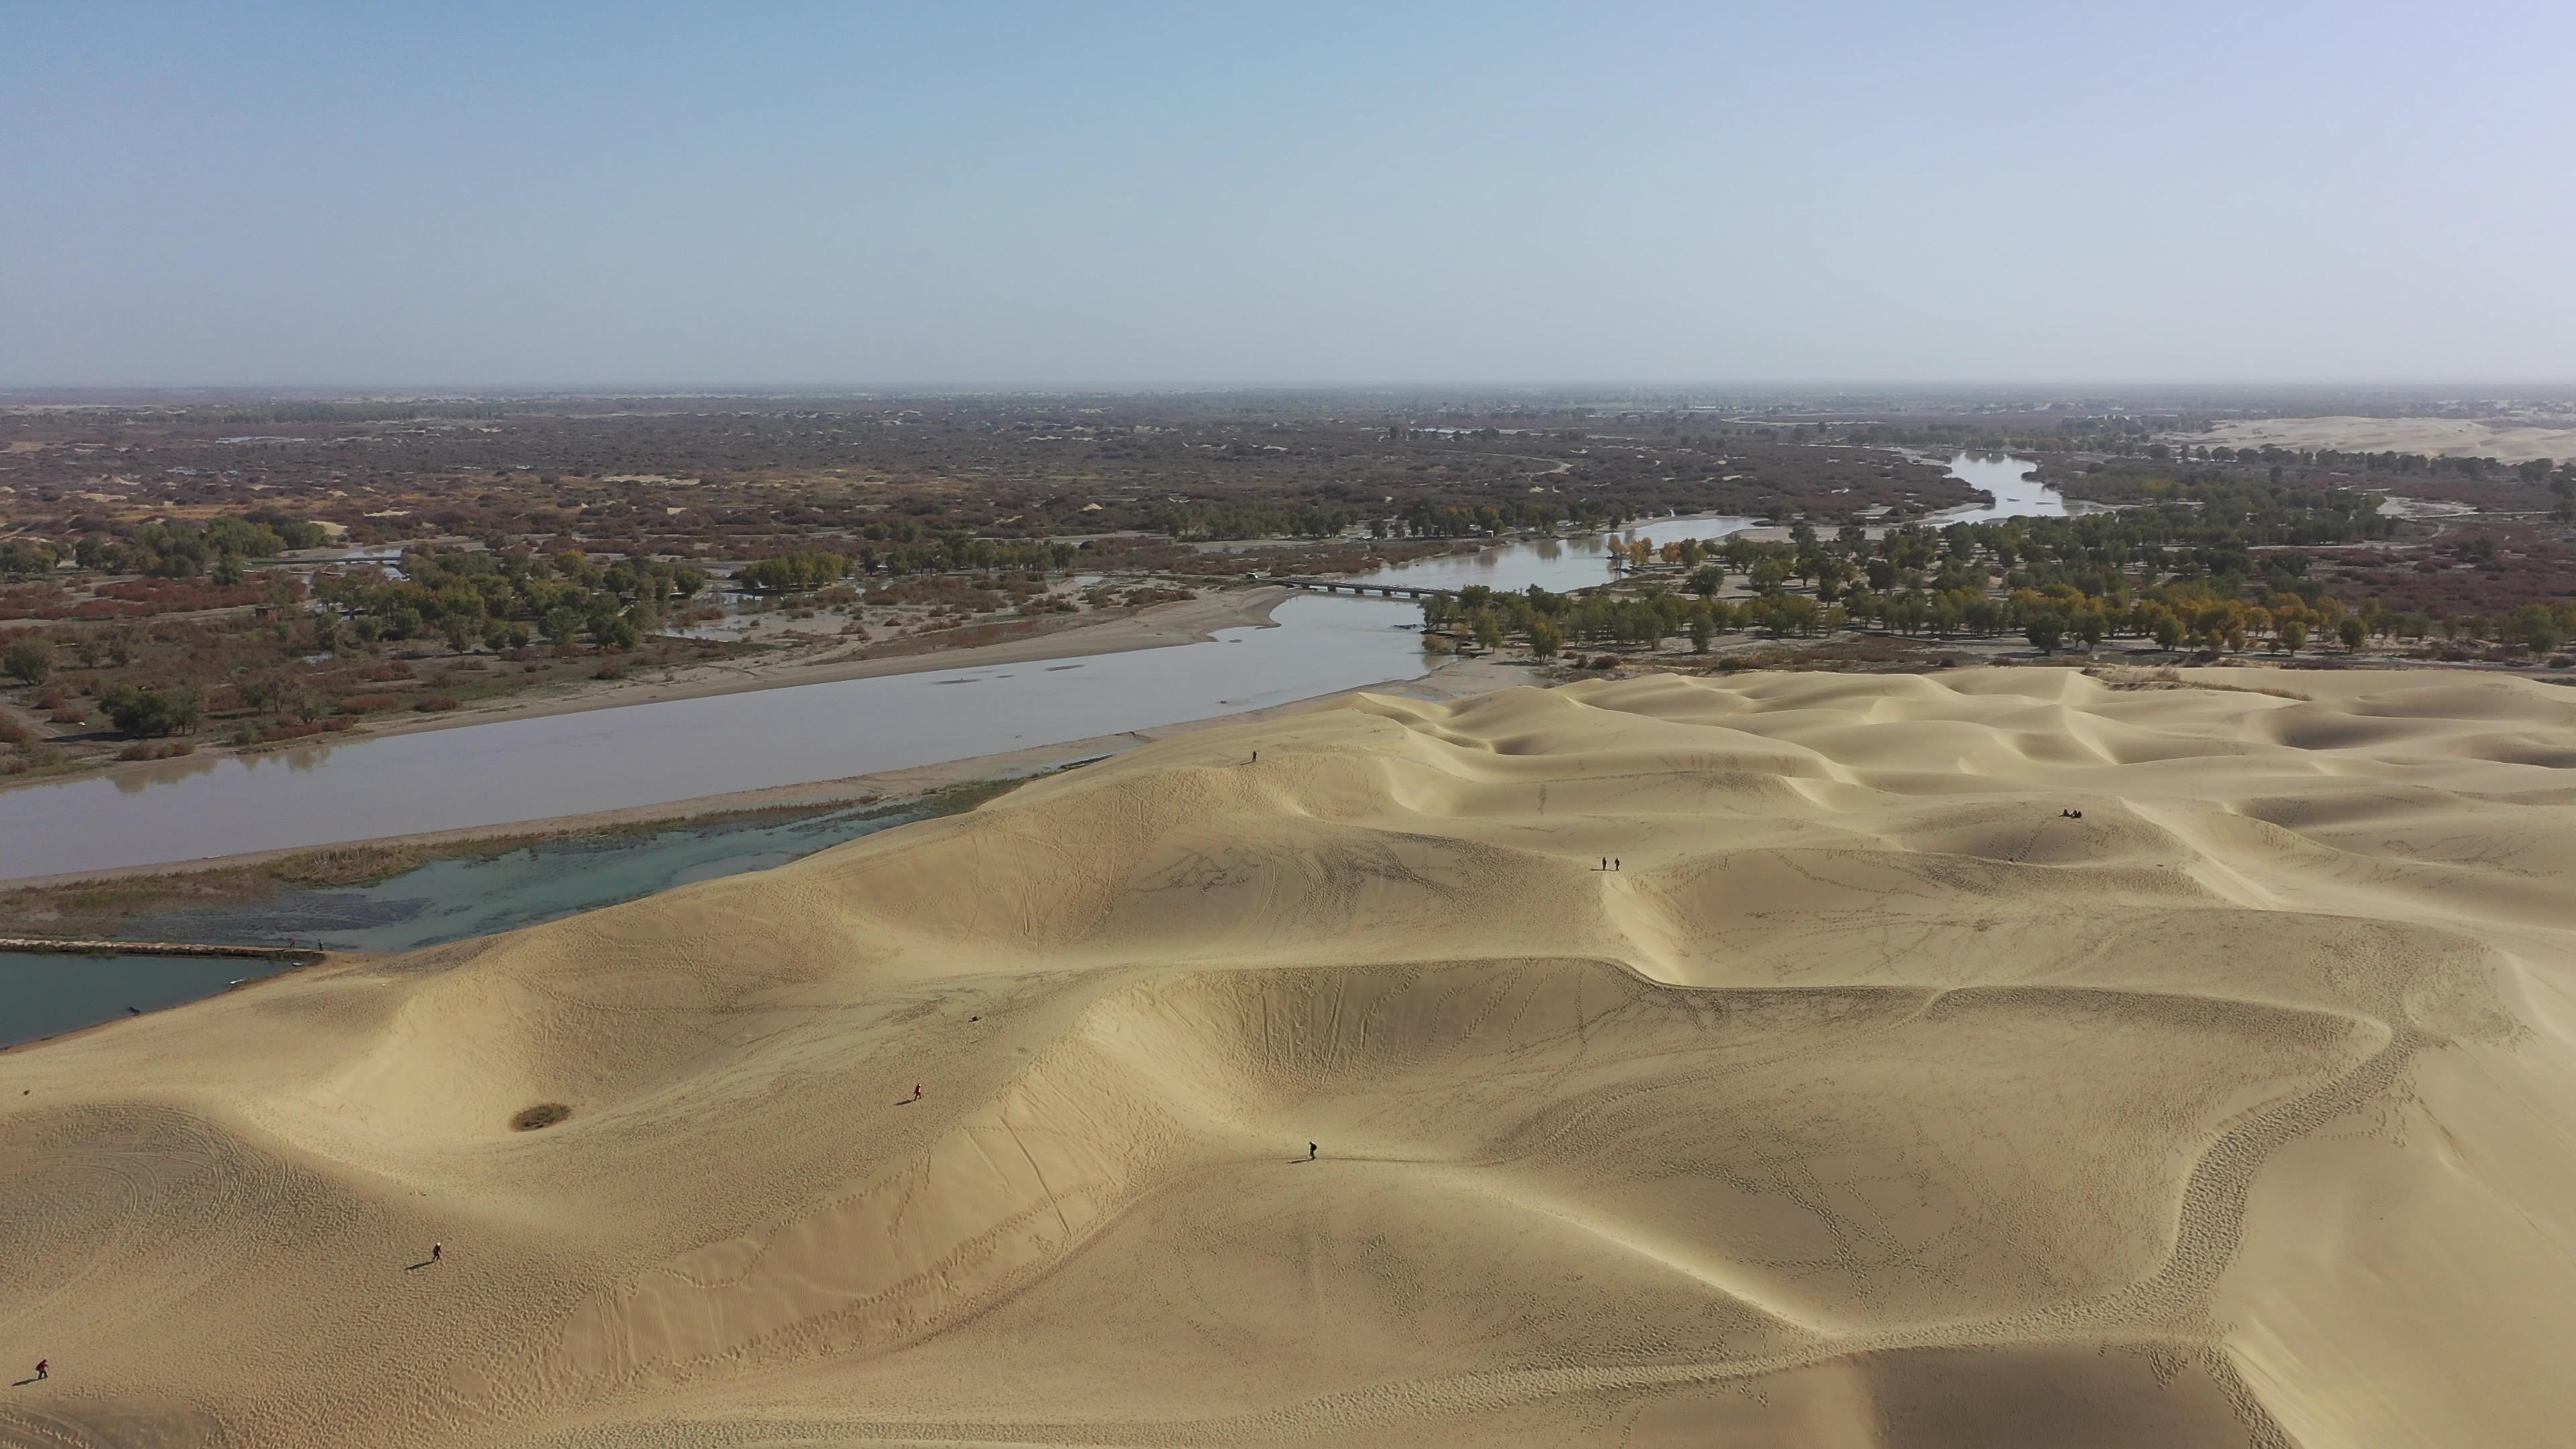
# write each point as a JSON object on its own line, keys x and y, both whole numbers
{"x": 999, "y": 198}
{"x": 2555, "y": 390}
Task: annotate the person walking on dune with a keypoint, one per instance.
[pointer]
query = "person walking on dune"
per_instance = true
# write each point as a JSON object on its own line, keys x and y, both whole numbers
{"x": 1310, "y": 1151}
{"x": 916, "y": 1091}
{"x": 40, "y": 1368}
{"x": 437, "y": 1252}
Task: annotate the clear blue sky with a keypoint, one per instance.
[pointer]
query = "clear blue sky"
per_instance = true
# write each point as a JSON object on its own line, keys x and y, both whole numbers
{"x": 387, "y": 194}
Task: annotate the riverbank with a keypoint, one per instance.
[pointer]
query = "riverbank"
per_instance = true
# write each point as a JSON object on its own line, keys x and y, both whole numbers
{"x": 1160, "y": 626}
{"x": 65, "y": 946}
{"x": 134, "y": 889}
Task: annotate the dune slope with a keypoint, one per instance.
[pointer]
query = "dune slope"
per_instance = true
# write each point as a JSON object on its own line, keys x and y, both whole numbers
{"x": 1872, "y": 1099}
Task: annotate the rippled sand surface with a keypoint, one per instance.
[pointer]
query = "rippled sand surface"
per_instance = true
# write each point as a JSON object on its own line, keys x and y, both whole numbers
{"x": 1874, "y": 1099}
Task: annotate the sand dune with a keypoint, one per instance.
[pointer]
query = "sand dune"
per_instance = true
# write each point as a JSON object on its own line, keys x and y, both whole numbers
{"x": 2509, "y": 440}
{"x": 1871, "y": 1102}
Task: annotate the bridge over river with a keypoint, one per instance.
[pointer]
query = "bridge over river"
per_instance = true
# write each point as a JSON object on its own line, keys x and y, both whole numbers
{"x": 1338, "y": 586}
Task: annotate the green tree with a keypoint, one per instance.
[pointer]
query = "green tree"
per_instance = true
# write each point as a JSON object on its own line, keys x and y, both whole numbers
{"x": 151, "y": 711}
{"x": 798, "y": 572}
{"x": 2294, "y": 635}
{"x": 28, "y": 658}
{"x": 2046, "y": 631}
{"x": 1545, "y": 639}
{"x": 2352, "y": 631}
{"x": 1702, "y": 632}
{"x": 463, "y": 631}
{"x": 281, "y": 694}
{"x": 21, "y": 558}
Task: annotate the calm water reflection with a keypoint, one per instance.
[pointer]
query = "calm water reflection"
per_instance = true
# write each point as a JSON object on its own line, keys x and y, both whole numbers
{"x": 2017, "y": 495}
{"x": 1562, "y": 564}
{"x": 46, "y": 995}
{"x": 534, "y": 769}
{"x": 1555, "y": 564}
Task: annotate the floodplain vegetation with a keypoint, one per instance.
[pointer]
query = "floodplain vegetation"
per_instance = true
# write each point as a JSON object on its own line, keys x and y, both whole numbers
{"x": 184, "y": 572}
{"x": 2226, "y": 567}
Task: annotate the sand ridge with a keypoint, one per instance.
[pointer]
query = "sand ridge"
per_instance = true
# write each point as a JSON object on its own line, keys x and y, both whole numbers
{"x": 1872, "y": 1099}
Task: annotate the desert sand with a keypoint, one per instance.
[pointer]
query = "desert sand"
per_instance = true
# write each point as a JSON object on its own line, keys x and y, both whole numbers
{"x": 1872, "y": 1100}
{"x": 2506, "y": 441}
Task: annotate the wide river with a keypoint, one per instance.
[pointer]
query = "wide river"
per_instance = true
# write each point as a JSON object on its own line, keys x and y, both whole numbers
{"x": 649, "y": 754}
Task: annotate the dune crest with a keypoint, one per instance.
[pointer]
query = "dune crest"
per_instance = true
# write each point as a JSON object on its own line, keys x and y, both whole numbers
{"x": 1999, "y": 1057}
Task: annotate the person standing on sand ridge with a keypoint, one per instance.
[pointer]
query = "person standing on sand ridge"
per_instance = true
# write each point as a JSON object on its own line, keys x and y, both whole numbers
{"x": 1310, "y": 1151}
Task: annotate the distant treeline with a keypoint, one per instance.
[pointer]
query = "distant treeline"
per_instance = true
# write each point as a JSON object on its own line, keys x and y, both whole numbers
{"x": 1421, "y": 518}
{"x": 801, "y": 572}
{"x": 2178, "y": 573}
{"x": 217, "y": 547}
{"x": 2537, "y": 470}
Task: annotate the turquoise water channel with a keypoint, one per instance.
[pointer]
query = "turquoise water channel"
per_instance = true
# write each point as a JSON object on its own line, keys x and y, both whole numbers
{"x": 46, "y": 995}
{"x": 441, "y": 901}
{"x": 452, "y": 899}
